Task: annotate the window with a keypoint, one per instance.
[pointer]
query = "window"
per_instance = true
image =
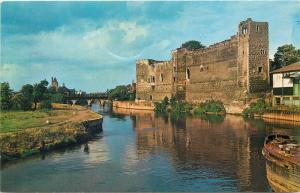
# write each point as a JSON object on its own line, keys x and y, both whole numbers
{"x": 244, "y": 30}
{"x": 174, "y": 79}
{"x": 277, "y": 101}
{"x": 161, "y": 77}
{"x": 259, "y": 69}
{"x": 201, "y": 68}
{"x": 151, "y": 97}
{"x": 152, "y": 78}
{"x": 262, "y": 51}
{"x": 257, "y": 28}
{"x": 188, "y": 74}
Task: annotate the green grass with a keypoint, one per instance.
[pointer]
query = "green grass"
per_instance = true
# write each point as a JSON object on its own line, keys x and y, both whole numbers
{"x": 17, "y": 120}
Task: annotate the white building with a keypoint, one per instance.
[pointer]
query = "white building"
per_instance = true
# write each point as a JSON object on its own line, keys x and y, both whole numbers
{"x": 286, "y": 85}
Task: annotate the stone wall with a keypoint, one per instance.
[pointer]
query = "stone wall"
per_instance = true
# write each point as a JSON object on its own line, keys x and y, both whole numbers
{"x": 226, "y": 71}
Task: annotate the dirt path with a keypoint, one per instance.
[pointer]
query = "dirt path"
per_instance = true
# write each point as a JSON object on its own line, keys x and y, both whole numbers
{"x": 79, "y": 114}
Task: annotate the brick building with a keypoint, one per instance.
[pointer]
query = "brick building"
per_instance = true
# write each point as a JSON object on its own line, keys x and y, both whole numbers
{"x": 228, "y": 71}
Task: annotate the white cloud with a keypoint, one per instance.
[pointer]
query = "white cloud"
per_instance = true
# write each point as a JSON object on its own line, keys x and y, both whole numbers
{"x": 119, "y": 39}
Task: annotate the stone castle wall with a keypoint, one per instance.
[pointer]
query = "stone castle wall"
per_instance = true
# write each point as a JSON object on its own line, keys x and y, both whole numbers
{"x": 226, "y": 71}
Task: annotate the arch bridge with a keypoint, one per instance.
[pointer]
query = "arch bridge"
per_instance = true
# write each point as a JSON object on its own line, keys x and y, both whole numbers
{"x": 100, "y": 98}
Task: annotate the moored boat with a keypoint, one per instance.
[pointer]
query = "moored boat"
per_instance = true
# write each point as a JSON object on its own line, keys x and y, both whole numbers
{"x": 282, "y": 155}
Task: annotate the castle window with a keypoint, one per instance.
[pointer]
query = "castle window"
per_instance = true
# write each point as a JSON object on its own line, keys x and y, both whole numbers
{"x": 174, "y": 79}
{"x": 161, "y": 77}
{"x": 257, "y": 28}
{"x": 201, "y": 68}
{"x": 244, "y": 30}
{"x": 259, "y": 69}
{"x": 262, "y": 51}
{"x": 152, "y": 78}
{"x": 151, "y": 97}
{"x": 188, "y": 74}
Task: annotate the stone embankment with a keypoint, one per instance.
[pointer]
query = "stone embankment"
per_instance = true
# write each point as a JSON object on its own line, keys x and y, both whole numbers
{"x": 80, "y": 127}
{"x": 134, "y": 105}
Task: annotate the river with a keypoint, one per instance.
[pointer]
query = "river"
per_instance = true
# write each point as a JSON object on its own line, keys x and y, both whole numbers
{"x": 139, "y": 151}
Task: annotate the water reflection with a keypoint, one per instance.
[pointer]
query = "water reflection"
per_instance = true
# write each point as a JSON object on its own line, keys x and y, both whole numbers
{"x": 229, "y": 148}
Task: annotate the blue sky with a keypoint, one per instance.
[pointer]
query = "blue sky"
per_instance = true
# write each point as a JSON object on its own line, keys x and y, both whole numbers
{"x": 93, "y": 46}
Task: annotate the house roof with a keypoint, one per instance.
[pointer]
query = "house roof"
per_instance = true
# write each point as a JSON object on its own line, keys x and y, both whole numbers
{"x": 290, "y": 68}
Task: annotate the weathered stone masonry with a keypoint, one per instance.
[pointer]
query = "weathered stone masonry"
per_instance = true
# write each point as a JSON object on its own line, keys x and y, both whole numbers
{"x": 226, "y": 71}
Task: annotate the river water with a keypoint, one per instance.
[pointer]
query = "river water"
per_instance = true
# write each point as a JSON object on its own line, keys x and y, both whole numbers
{"x": 139, "y": 151}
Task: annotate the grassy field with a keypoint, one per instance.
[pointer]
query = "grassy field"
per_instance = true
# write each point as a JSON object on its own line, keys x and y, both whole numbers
{"x": 17, "y": 120}
{"x": 25, "y": 133}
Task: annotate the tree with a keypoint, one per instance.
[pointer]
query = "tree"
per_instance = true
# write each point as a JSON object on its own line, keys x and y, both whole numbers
{"x": 17, "y": 101}
{"x": 62, "y": 90}
{"x": 27, "y": 97}
{"x": 38, "y": 91}
{"x": 285, "y": 55}
{"x": 5, "y": 96}
{"x": 119, "y": 93}
{"x": 192, "y": 45}
{"x": 46, "y": 104}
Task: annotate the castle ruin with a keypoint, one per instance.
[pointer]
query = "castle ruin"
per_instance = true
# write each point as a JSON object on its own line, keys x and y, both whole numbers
{"x": 228, "y": 71}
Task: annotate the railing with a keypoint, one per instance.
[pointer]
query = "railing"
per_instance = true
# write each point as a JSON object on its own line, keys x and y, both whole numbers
{"x": 101, "y": 95}
{"x": 283, "y": 114}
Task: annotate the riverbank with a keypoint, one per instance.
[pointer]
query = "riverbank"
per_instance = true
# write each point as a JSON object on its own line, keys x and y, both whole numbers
{"x": 141, "y": 105}
{"x": 63, "y": 126}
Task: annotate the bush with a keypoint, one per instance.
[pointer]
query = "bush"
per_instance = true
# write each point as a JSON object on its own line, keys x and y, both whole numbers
{"x": 181, "y": 107}
{"x": 255, "y": 108}
{"x": 210, "y": 106}
{"x": 161, "y": 107}
{"x": 46, "y": 104}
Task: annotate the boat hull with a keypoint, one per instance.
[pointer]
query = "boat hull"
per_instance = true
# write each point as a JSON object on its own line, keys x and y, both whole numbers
{"x": 283, "y": 175}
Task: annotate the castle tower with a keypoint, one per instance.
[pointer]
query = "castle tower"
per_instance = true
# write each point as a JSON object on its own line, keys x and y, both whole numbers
{"x": 253, "y": 56}
{"x": 54, "y": 83}
{"x": 179, "y": 73}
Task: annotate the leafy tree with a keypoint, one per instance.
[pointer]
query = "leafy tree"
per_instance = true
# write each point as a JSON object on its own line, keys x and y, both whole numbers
{"x": 62, "y": 89}
{"x": 6, "y": 95}
{"x": 192, "y": 45}
{"x": 119, "y": 93}
{"x": 46, "y": 104}
{"x": 38, "y": 91}
{"x": 27, "y": 97}
{"x": 51, "y": 90}
{"x": 161, "y": 107}
{"x": 285, "y": 55}
{"x": 17, "y": 101}
{"x": 57, "y": 98}
{"x": 173, "y": 101}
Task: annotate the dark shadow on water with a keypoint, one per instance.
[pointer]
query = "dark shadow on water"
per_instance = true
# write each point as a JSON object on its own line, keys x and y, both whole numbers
{"x": 117, "y": 116}
{"x": 46, "y": 155}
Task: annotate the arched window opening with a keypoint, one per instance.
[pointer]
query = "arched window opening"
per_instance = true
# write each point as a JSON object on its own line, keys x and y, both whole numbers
{"x": 161, "y": 77}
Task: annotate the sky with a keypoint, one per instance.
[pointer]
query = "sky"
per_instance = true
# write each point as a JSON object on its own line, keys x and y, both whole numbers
{"x": 93, "y": 46}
